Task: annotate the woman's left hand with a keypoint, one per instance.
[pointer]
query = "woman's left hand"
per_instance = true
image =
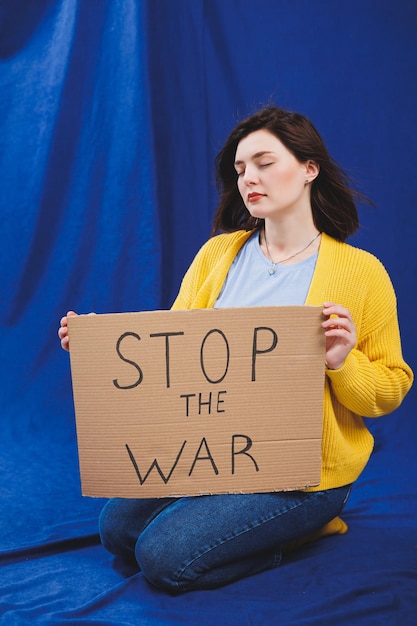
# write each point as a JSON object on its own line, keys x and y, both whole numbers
{"x": 340, "y": 333}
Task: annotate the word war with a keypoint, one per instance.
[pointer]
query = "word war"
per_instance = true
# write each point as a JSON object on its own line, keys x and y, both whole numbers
{"x": 202, "y": 454}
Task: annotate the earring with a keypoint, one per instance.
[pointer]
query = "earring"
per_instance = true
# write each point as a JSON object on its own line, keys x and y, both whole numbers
{"x": 307, "y": 181}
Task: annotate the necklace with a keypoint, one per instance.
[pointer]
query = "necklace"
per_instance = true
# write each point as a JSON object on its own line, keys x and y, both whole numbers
{"x": 273, "y": 267}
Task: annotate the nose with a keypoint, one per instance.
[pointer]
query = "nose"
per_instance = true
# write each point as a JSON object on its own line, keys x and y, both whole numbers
{"x": 250, "y": 176}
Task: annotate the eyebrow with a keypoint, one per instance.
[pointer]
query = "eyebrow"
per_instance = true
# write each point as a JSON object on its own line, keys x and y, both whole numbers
{"x": 255, "y": 156}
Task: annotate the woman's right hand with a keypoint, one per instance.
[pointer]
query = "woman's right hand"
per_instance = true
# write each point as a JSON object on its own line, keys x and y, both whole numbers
{"x": 63, "y": 330}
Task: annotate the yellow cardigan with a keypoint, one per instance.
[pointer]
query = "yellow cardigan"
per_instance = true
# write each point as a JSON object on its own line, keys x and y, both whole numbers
{"x": 374, "y": 378}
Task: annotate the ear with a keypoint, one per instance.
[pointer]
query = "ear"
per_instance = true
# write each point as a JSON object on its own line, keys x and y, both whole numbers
{"x": 312, "y": 170}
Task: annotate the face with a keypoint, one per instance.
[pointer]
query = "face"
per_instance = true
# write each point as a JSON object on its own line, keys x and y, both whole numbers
{"x": 271, "y": 180}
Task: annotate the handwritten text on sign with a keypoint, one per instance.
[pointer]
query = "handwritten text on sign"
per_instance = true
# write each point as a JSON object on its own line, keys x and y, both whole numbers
{"x": 202, "y": 401}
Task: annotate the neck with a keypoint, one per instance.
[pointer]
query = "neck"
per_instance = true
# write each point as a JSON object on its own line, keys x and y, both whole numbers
{"x": 286, "y": 235}
{"x": 289, "y": 246}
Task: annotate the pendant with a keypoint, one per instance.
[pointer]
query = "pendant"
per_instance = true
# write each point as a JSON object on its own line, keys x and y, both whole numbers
{"x": 272, "y": 270}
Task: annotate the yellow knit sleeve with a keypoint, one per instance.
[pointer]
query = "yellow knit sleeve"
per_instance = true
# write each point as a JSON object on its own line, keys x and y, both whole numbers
{"x": 374, "y": 378}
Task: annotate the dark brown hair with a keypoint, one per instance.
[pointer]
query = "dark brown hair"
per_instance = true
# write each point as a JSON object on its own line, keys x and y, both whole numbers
{"x": 332, "y": 198}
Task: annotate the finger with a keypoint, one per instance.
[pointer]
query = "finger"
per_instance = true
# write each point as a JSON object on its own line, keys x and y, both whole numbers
{"x": 65, "y": 343}
{"x": 330, "y": 308}
{"x": 337, "y": 332}
{"x": 64, "y": 320}
{"x": 338, "y": 322}
{"x": 62, "y": 332}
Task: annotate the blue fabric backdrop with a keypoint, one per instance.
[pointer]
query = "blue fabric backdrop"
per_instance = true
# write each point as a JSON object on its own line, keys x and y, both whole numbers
{"x": 111, "y": 113}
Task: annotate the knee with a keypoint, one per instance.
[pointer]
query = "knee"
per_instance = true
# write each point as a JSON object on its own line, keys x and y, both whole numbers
{"x": 159, "y": 562}
{"x": 114, "y": 534}
{"x": 108, "y": 526}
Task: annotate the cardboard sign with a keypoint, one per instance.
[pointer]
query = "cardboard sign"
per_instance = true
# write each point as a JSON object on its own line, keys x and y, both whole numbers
{"x": 173, "y": 403}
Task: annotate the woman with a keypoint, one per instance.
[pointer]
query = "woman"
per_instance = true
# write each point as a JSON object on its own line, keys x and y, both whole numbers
{"x": 285, "y": 212}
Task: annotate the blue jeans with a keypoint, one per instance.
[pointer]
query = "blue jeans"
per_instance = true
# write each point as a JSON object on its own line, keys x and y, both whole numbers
{"x": 203, "y": 542}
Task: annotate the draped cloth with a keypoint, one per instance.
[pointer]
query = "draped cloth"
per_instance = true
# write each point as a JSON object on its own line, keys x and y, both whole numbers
{"x": 111, "y": 113}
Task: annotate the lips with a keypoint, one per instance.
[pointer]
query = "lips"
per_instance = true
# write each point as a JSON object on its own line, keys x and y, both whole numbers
{"x": 254, "y": 197}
